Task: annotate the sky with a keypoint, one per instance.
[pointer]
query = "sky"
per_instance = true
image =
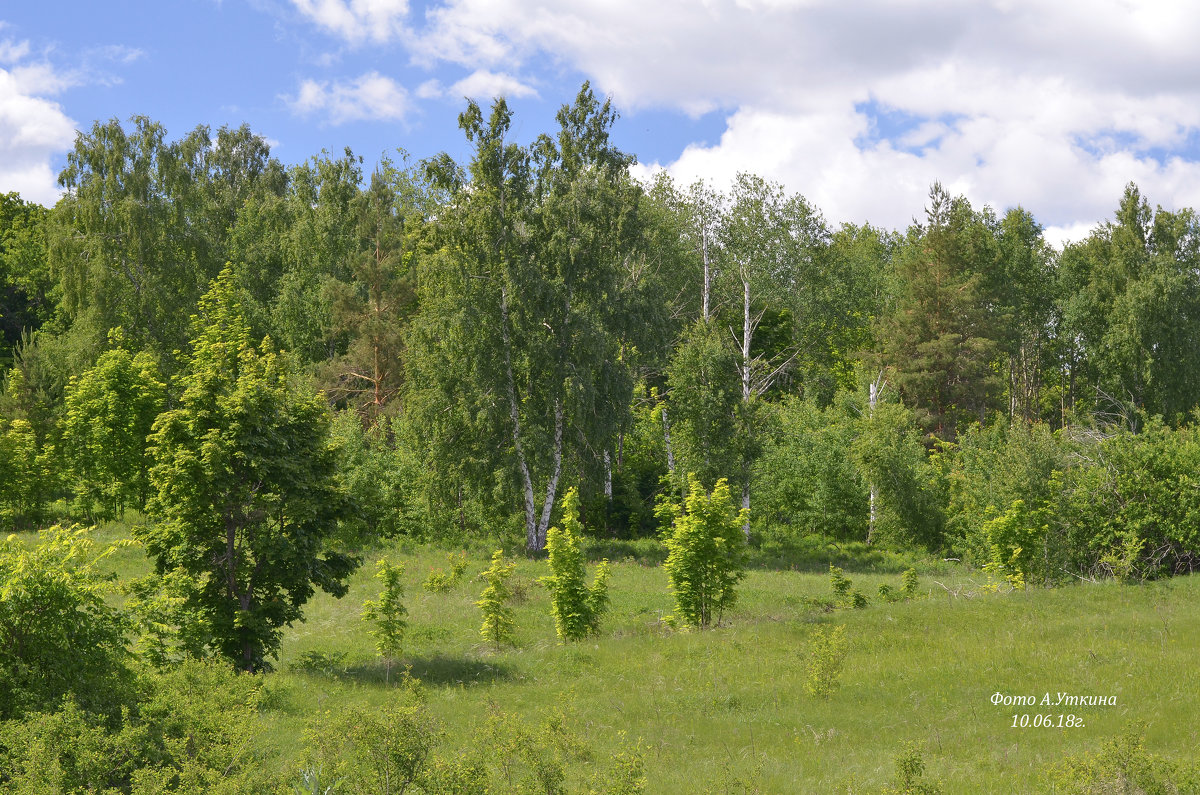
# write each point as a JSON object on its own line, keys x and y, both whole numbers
{"x": 859, "y": 105}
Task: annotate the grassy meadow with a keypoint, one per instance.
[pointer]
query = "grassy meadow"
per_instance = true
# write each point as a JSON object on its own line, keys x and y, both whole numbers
{"x": 726, "y": 710}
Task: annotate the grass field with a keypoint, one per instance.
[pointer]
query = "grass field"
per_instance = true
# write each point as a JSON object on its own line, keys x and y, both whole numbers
{"x": 725, "y": 710}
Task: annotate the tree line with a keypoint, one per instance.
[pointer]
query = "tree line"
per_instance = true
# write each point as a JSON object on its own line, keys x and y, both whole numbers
{"x": 487, "y": 334}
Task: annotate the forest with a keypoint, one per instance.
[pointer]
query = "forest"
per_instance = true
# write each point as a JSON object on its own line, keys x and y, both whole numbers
{"x": 270, "y": 372}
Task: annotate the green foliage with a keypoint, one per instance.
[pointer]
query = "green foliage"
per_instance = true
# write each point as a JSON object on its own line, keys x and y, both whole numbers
{"x": 245, "y": 489}
{"x": 1129, "y": 504}
{"x": 498, "y": 623}
{"x": 376, "y": 478}
{"x": 888, "y": 453}
{"x": 910, "y": 583}
{"x": 1015, "y": 539}
{"x": 167, "y": 621}
{"x": 518, "y": 366}
{"x": 193, "y": 730}
{"x": 844, "y": 593}
{"x": 577, "y": 608}
{"x": 109, "y": 413}
{"x": 705, "y": 553}
{"x": 387, "y": 614}
{"x": 27, "y": 298}
{"x": 910, "y": 772}
{"x": 827, "y": 649}
{"x": 806, "y": 476}
{"x": 58, "y": 634}
{"x": 438, "y": 581}
{"x": 944, "y": 333}
{"x": 1123, "y": 765}
{"x": 380, "y": 751}
{"x": 991, "y": 467}
{"x": 26, "y": 474}
{"x": 705, "y": 403}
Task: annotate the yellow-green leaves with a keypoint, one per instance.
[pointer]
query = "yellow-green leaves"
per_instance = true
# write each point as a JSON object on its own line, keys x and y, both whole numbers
{"x": 706, "y": 551}
{"x": 577, "y": 608}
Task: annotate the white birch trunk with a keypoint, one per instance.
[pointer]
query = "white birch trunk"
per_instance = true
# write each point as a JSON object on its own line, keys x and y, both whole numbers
{"x": 872, "y": 489}
{"x": 608, "y": 477}
{"x": 747, "y": 333}
{"x": 514, "y": 413}
{"x": 552, "y": 486}
{"x": 707, "y": 289}
{"x": 667, "y": 442}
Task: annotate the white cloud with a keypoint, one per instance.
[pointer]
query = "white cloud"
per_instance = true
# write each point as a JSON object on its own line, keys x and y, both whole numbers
{"x": 484, "y": 85}
{"x": 33, "y": 127}
{"x": 1051, "y": 105}
{"x": 369, "y": 97}
{"x": 357, "y": 21}
{"x": 13, "y": 51}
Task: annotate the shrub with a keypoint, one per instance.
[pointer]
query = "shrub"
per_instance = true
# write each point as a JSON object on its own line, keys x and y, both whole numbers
{"x": 706, "y": 553}
{"x": 378, "y": 751}
{"x": 1123, "y": 765}
{"x": 826, "y": 655}
{"x": 910, "y": 774}
{"x": 498, "y": 625}
{"x": 843, "y": 591}
{"x": 388, "y": 613}
{"x": 439, "y": 581}
{"x": 577, "y": 608}
{"x": 58, "y": 634}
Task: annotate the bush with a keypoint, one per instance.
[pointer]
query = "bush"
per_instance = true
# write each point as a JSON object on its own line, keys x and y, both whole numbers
{"x": 58, "y": 635}
{"x": 826, "y": 655}
{"x": 388, "y": 613}
{"x": 377, "y": 751}
{"x": 577, "y": 608}
{"x": 193, "y": 730}
{"x": 706, "y": 553}
{"x": 1123, "y": 765}
{"x": 498, "y": 624}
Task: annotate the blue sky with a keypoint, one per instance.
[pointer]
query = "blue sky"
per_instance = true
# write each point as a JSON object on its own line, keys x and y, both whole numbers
{"x": 858, "y": 105}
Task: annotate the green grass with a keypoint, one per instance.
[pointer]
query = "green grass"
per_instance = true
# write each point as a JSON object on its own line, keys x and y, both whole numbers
{"x": 726, "y": 709}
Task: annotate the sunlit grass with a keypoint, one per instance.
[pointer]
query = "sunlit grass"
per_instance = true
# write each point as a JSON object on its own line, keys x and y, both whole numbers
{"x": 726, "y": 709}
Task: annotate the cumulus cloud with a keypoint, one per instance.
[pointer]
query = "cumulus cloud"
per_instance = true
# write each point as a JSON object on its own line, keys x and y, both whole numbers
{"x": 1051, "y": 105}
{"x": 484, "y": 85}
{"x": 357, "y": 21}
{"x": 33, "y": 126}
{"x": 369, "y": 97}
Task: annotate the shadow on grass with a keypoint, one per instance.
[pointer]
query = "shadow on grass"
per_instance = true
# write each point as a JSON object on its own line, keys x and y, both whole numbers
{"x": 776, "y": 550}
{"x": 433, "y": 671}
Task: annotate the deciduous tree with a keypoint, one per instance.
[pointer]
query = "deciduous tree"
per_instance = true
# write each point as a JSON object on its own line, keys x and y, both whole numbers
{"x": 244, "y": 486}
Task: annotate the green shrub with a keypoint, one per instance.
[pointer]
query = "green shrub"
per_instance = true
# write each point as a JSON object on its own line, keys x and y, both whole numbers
{"x": 380, "y": 751}
{"x": 826, "y": 656}
{"x": 577, "y": 608}
{"x": 910, "y": 774}
{"x": 58, "y": 633}
{"x": 706, "y": 553}
{"x": 388, "y": 613}
{"x": 498, "y": 624}
{"x": 193, "y": 730}
{"x": 843, "y": 591}
{"x": 438, "y": 581}
{"x": 1123, "y": 765}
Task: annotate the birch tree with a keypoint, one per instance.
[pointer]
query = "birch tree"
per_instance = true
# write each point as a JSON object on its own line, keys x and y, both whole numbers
{"x": 523, "y": 303}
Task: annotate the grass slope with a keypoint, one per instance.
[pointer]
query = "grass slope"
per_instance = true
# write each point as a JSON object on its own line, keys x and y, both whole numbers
{"x": 726, "y": 711}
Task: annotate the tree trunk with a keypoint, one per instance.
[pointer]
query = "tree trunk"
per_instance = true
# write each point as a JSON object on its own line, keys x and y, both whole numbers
{"x": 551, "y": 487}
{"x": 706, "y": 291}
{"x": 747, "y": 333}
{"x": 514, "y": 414}
{"x": 873, "y": 490}
{"x": 667, "y": 443}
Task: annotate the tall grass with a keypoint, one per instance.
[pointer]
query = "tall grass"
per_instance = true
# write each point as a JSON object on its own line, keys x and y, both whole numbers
{"x": 726, "y": 710}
